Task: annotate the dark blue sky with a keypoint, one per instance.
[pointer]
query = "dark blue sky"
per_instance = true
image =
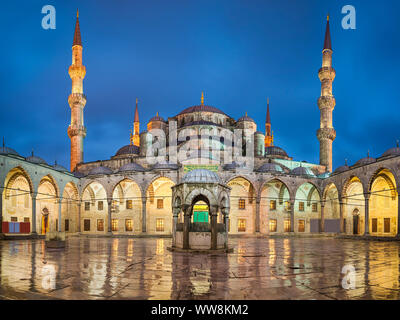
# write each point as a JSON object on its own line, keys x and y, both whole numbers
{"x": 167, "y": 52}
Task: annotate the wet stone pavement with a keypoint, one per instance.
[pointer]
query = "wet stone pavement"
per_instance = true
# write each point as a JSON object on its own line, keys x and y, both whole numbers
{"x": 143, "y": 268}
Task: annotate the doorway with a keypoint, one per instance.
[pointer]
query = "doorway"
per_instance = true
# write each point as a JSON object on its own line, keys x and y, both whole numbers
{"x": 356, "y": 222}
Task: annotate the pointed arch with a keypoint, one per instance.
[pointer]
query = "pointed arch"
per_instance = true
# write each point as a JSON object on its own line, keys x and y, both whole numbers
{"x": 12, "y": 176}
{"x": 50, "y": 179}
{"x": 385, "y": 174}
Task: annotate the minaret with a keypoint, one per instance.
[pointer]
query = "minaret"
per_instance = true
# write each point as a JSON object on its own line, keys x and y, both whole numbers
{"x": 326, "y": 103}
{"x": 135, "y": 138}
{"x": 269, "y": 137}
{"x": 77, "y": 100}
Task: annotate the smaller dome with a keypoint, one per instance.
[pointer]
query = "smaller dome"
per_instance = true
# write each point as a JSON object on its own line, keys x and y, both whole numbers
{"x": 232, "y": 166}
{"x": 201, "y": 176}
{"x": 245, "y": 118}
{"x": 35, "y": 159}
{"x": 132, "y": 166}
{"x": 60, "y": 168}
{"x": 157, "y": 118}
{"x": 78, "y": 174}
{"x": 342, "y": 169}
{"x": 364, "y": 161}
{"x": 128, "y": 149}
{"x": 100, "y": 170}
{"x": 302, "y": 171}
{"x": 270, "y": 167}
{"x": 165, "y": 166}
{"x": 260, "y": 133}
{"x": 392, "y": 152}
{"x": 324, "y": 175}
{"x": 6, "y": 150}
{"x": 275, "y": 151}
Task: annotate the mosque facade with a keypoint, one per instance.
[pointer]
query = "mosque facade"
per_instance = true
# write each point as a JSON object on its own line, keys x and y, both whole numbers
{"x": 200, "y": 166}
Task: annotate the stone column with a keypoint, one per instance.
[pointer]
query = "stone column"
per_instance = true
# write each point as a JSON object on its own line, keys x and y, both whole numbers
{"x": 1, "y": 212}
{"x": 79, "y": 216}
{"x": 226, "y": 222}
{"x": 341, "y": 210}
{"x": 322, "y": 221}
{"x": 186, "y": 227}
{"x": 109, "y": 202}
{"x": 292, "y": 202}
{"x": 257, "y": 229}
{"x": 33, "y": 195}
{"x": 214, "y": 229}
{"x": 175, "y": 215}
{"x": 59, "y": 215}
{"x": 144, "y": 202}
{"x": 366, "y": 196}
{"x": 398, "y": 215}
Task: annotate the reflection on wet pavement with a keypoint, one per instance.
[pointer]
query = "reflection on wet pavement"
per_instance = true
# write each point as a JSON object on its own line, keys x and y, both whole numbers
{"x": 259, "y": 268}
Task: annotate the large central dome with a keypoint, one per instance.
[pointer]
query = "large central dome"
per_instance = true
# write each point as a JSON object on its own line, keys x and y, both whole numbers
{"x": 201, "y": 108}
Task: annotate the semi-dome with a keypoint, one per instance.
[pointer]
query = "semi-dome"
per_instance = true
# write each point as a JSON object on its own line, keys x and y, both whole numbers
{"x": 59, "y": 168}
{"x": 128, "y": 149}
{"x": 100, "y": 170}
{"x": 201, "y": 108}
{"x": 201, "y": 176}
{"x": 302, "y": 171}
{"x": 341, "y": 169}
{"x": 270, "y": 167}
{"x": 245, "y": 118}
{"x": 35, "y": 159}
{"x": 364, "y": 161}
{"x": 165, "y": 166}
{"x": 392, "y": 152}
{"x": 131, "y": 166}
{"x": 6, "y": 150}
{"x": 275, "y": 151}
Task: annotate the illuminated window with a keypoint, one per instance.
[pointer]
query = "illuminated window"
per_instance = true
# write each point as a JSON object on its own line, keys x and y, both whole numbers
{"x": 128, "y": 225}
{"x": 315, "y": 207}
{"x": 286, "y": 225}
{"x": 272, "y": 205}
{"x": 374, "y": 225}
{"x": 272, "y": 225}
{"x": 128, "y": 204}
{"x": 100, "y": 225}
{"x": 14, "y": 219}
{"x": 160, "y": 225}
{"x": 301, "y": 206}
{"x": 26, "y": 219}
{"x": 100, "y": 205}
{"x": 241, "y": 225}
{"x": 242, "y": 204}
{"x": 386, "y": 225}
{"x": 287, "y": 206}
{"x": 114, "y": 224}
{"x": 86, "y": 225}
{"x": 302, "y": 225}
{"x": 87, "y": 206}
{"x": 160, "y": 203}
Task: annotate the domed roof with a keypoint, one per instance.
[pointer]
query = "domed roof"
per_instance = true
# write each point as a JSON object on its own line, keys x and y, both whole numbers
{"x": 59, "y": 168}
{"x": 275, "y": 151}
{"x": 302, "y": 171}
{"x": 6, "y": 150}
{"x": 157, "y": 118}
{"x": 100, "y": 170}
{"x": 259, "y": 132}
{"x": 324, "y": 175}
{"x": 165, "y": 166}
{"x": 364, "y": 161}
{"x": 35, "y": 159}
{"x": 78, "y": 174}
{"x": 245, "y": 118}
{"x": 392, "y": 152}
{"x": 201, "y": 108}
{"x": 131, "y": 166}
{"x": 128, "y": 149}
{"x": 342, "y": 169}
{"x": 201, "y": 176}
{"x": 270, "y": 167}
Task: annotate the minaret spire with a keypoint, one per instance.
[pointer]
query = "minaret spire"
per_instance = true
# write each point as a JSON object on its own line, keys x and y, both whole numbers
{"x": 202, "y": 98}
{"x": 269, "y": 137}
{"x": 326, "y": 103}
{"x": 77, "y": 100}
{"x": 135, "y": 138}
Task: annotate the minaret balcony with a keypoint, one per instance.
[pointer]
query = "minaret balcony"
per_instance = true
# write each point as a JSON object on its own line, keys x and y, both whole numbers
{"x": 77, "y": 100}
{"x": 326, "y": 73}
{"x": 326, "y": 102}
{"x": 326, "y": 133}
{"x": 76, "y": 130}
{"x": 77, "y": 71}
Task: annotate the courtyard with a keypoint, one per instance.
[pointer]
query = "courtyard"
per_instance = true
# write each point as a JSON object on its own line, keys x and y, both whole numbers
{"x": 143, "y": 268}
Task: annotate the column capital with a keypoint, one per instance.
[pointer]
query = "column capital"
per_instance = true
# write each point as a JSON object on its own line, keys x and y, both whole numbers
{"x": 214, "y": 210}
{"x": 109, "y": 201}
{"x": 144, "y": 200}
{"x": 367, "y": 195}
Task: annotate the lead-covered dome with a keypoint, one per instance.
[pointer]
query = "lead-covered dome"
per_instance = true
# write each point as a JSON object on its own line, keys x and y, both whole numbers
{"x": 302, "y": 171}
{"x": 392, "y": 152}
{"x": 341, "y": 169}
{"x": 128, "y": 149}
{"x": 59, "y": 168}
{"x": 100, "y": 170}
{"x": 35, "y": 159}
{"x": 275, "y": 151}
{"x": 157, "y": 118}
{"x": 6, "y": 150}
{"x": 364, "y": 161}
{"x": 201, "y": 176}
{"x": 132, "y": 166}
{"x": 201, "y": 108}
{"x": 245, "y": 118}
{"x": 270, "y": 167}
